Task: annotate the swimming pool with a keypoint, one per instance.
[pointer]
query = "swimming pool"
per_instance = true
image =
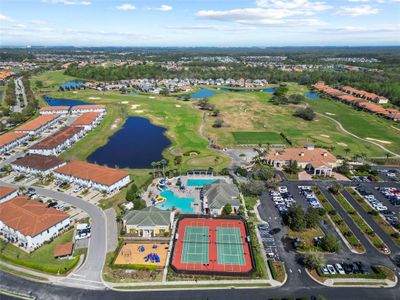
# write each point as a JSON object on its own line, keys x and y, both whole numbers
{"x": 183, "y": 204}
{"x": 199, "y": 182}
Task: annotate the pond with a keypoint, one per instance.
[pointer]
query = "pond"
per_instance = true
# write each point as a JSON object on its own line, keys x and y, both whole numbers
{"x": 71, "y": 85}
{"x": 136, "y": 145}
{"x": 311, "y": 95}
{"x": 202, "y": 93}
{"x": 63, "y": 102}
{"x": 269, "y": 90}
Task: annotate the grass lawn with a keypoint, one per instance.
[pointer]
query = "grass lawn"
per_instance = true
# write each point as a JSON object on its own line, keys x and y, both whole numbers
{"x": 361, "y": 123}
{"x": 360, "y": 222}
{"x": 51, "y": 79}
{"x": 246, "y": 137}
{"x": 378, "y": 219}
{"x": 339, "y": 222}
{"x": 178, "y": 117}
{"x": 277, "y": 270}
{"x": 21, "y": 274}
{"x": 42, "y": 259}
{"x": 306, "y": 237}
{"x": 252, "y": 112}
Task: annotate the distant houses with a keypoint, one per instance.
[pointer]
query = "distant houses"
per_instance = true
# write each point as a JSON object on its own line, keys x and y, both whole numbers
{"x": 367, "y": 101}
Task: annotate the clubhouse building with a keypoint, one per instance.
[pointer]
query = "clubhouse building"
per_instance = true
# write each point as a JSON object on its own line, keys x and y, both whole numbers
{"x": 36, "y": 164}
{"x": 89, "y": 175}
{"x": 316, "y": 160}
{"x": 58, "y": 142}
{"x": 29, "y": 223}
{"x": 11, "y": 140}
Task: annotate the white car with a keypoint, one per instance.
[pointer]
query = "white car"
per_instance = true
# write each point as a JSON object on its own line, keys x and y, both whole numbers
{"x": 82, "y": 236}
{"x": 331, "y": 269}
{"x": 282, "y": 189}
{"x": 277, "y": 199}
{"x": 340, "y": 269}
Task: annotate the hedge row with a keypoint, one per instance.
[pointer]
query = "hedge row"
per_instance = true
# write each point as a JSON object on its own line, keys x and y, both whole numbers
{"x": 40, "y": 267}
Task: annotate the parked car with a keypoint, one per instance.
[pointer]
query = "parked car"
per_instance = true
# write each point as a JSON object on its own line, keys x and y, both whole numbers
{"x": 324, "y": 270}
{"x": 331, "y": 269}
{"x": 339, "y": 269}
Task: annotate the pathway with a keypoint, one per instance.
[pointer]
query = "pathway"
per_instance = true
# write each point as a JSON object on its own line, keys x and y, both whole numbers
{"x": 356, "y": 136}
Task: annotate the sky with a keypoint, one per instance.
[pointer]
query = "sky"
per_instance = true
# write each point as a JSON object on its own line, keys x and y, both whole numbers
{"x": 220, "y": 23}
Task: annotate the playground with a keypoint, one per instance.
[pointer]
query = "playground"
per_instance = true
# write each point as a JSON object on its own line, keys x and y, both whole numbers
{"x": 143, "y": 253}
{"x": 212, "y": 246}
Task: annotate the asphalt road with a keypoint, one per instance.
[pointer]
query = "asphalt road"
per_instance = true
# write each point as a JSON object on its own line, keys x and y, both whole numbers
{"x": 89, "y": 274}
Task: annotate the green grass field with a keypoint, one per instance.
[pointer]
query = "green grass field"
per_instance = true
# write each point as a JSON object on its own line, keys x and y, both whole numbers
{"x": 42, "y": 259}
{"x": 248, "y": 137}
{"x": 51, "y": 79}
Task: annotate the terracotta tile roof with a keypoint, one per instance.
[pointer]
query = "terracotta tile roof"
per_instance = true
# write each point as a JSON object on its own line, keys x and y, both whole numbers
{"x": 92, "y": 172}
{"x": 86, "y": 119}
{"x": 89, "y": 106}
{"x": 362, "y": 93}
{"x": 39, "y": 162}
{"x": 5, "y": 191}
{"x": 5, "y": 74}
{"x": 57, "y": 138}
{"x": 64, "y": 249}
{"x": 29, "y": 217}
{"x": 10, "y": 137}
{"x": 54, "y": 108}
{"x": 317, "y": 156}
{"x": 37, "y": 123}
{"x": 372, "y": 107}
{"x": 348, "y": 98}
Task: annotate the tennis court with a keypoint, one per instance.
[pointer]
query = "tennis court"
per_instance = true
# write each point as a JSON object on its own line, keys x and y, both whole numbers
{"x": 195, "y": 247}
{"x": 212, "y": 246}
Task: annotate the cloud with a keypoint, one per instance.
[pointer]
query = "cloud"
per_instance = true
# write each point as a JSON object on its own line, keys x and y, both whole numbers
{"x": 22, "y": 26}
{"x": 68, "y": 2}
{"x": 210, "y": 27}
{"x": 39, "y": 22}
{"x": 126, "y": 6}
{"x": 271, "y": 13}
{"x": 165, "y": 7}
{"x": 356, "y": 11}
{"x": 6, "y": 18}
{"x": 380, "y": 29}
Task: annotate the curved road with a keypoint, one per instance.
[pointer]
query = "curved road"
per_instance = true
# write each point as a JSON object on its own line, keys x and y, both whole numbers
{"x": 89, "y": 274}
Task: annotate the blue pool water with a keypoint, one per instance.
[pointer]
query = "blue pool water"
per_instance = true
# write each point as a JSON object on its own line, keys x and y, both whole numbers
{"x": 311, "y": 95}
{"x": 135, "y": 145}
{"x": 63, "y": 102}
{"x": 183, "y": 204}
{"x": 132, "y": 93}
{"x": 199, "y": 182}
{"x": 202, "y": 93}
{"x": 71, "y": 85}
{"x": 269, "y": 90}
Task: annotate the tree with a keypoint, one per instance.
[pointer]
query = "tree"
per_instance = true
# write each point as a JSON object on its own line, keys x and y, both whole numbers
{"x": 314, "y": 261}
{"x": 279, "y": 100}
{"x": 218, "y": 123}
{"x": 292, "y": 167}
{"x": 215, "y": 112}
{"x": 312, "y": 217}
{"x": 347, "y": 151}
{"x": 344, "y": 168}
{"x": 305, "y": 113}
{"x": 296, "y": 98}
{"x": 241, "y": 171}
{"x": 281, "y": 90}
{"x": 295, "y": 218}
{"x": 227, "y": 210}
{"x": 330, "y": 243}
{"x": 253, "y": 188}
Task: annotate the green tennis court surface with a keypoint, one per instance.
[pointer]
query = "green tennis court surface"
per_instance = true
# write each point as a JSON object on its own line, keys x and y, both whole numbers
{"x": 230, "y": 248}
{"x": 195, "y": 246}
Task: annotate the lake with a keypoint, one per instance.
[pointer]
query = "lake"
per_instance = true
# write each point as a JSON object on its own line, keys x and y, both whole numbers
{"x": 269, "y": 90}
{"x": 311, "y": 95}
{"x": 63, "y": 102}
{"x": 202, "y": 93}
{"x": 135, "y": 145}
{"x": 71, "y": 85}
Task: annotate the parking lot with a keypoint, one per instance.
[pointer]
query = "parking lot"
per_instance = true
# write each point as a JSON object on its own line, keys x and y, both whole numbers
{"x": 268, "y": 242}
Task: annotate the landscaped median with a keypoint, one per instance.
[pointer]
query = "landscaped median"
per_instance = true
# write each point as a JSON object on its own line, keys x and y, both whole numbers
{"x": 374, "y": 239}
{"x": 338, "y": 222}
{"x": 277, "y": 270}
{"x": 381, "y": 277}
{"x": 377, "y": 217}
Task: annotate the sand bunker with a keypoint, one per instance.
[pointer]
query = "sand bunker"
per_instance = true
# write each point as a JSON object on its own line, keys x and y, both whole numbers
{"x": 75, "y": 92}
{"x": 151, "y": 97}
{"x": 330, "y": 114}
{"x": 324, "y": 135}
{"x": 379, "y": 141}
{"x": 139, "y": 111}
{"x": 94, "y": 98}
{"x": 135, "y": 106}
{"x": 124, "y": 102}
{"x": 177, "y": 105}
{"x": 342, "y": 144}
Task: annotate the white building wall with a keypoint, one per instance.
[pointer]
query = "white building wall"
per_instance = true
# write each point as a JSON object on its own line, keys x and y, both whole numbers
{"x": 9, "y": 197}
{"x": 54, "y": 112}
{"x": 13, "y": 144}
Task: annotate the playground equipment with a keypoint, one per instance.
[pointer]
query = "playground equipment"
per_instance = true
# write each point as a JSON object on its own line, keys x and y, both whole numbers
{"x": 161, "y": 198}
{"x": 152, "y": 257}
{"x": 141, "y": 248}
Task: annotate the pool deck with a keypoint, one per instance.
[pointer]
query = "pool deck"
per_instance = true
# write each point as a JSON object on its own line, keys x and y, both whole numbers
{"x": 189, "y": 192}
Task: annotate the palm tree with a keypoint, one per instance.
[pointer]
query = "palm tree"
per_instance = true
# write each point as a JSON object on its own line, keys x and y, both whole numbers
{"x": 163, "y": 162}
{"x": 154, "y": 164}
{"x": 347, "y": 151}
{"x": 388, "y": 155}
